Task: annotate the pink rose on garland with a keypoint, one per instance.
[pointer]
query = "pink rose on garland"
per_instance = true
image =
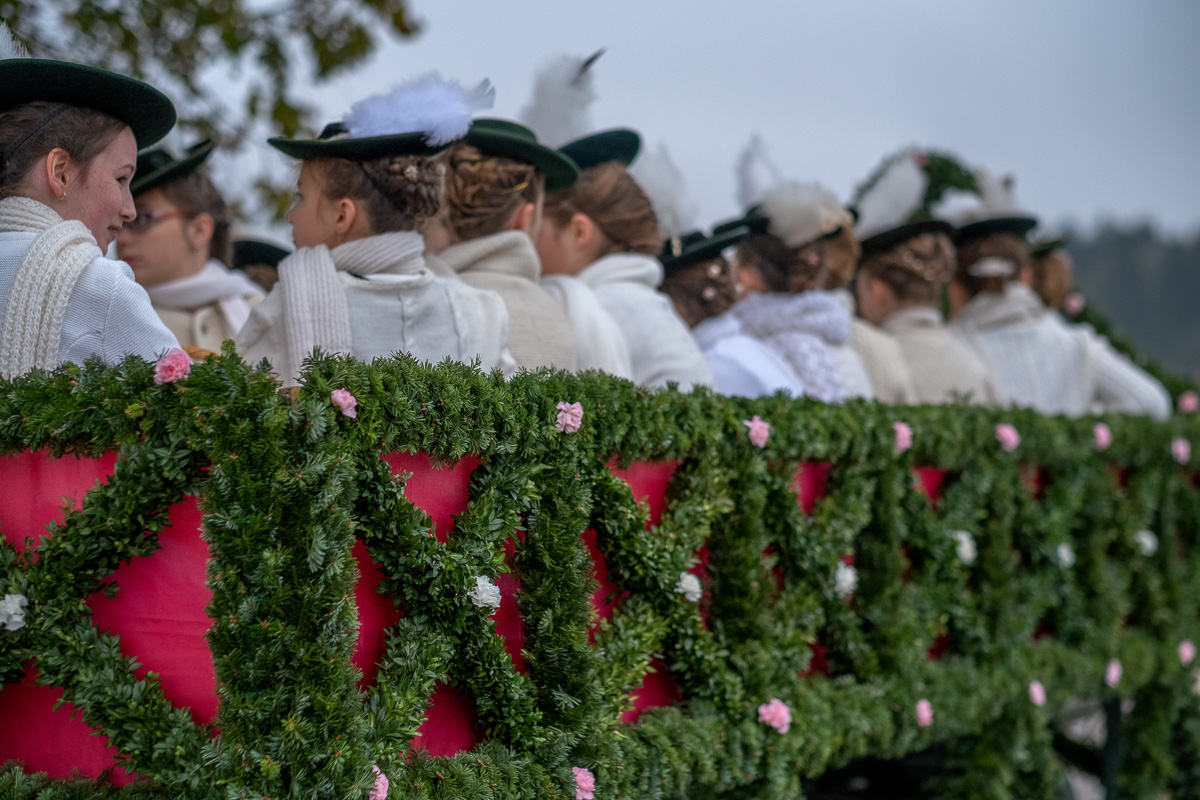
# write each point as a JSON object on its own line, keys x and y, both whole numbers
{"x": 1074, "y": 304}
{"x": 759, "y": 430}
{"x": 924, "y": 713}
{"x": 345, "y": 401}
{"x": 585, "y": 783}
{"x": 1008, "y": 437}
{"x": 380, "y": 789}
{"x": 570, "y": 417}
{"x": 1181, "y": 449}
{"x": 1187, "y": 652}
{"x": 1112, "y": 673}
{"x": 904, "y": 436}
{"x": 776, "y": 714}
{"x": 1103, "y": 436}
{"x": 1037, "y": 693}
{"x": 175, "y": 365}
{"x": 1189, "y": 403}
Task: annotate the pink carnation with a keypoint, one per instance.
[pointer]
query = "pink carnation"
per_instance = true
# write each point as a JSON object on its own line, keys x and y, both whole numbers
{"x": 759, "y": 430}
{"x": 1187, "y": 652}
{"x": 585, "y": 783}
{"x": 1181, "y": 449}
{"x": 1188, "y": 403}
{"x": 1112, "y": 673}
{"x": 174, "y": 366}
{"x": 570, "y": 417}
{"x": 924, "y": 713}
{"x": 380, "y": 789}
{"x": 1007, "y": 436}
{"x": 1103, "y": 436}
{"x": 1037, "y": 693}
{"x": 904, "y": 436}
{"x": 1074, "y": 304}
{"x": 345, "y": 401}
{"x": 776, "y": 714}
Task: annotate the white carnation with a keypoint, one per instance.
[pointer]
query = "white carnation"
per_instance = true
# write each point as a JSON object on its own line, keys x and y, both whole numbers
{"x": 1066, "y": 555}
{"x": 689, "y": 587}
{"x": 845, "y": 581}
{"x": 965, "y": 547}
{"x": 12, "y": 612}
{"x": 485, "y": 594}
{"x": 1147, "y": 542}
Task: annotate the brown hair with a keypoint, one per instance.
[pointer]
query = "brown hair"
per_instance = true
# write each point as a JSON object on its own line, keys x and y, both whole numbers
{"x": 841, "y": 254}
{"x": 915, "y": 269}
{"x": 397, "y": 192}
{"x": 1007, "y": 246}
{"x": 702, "y": 290}
{"x": 82, "y": 132}
{"x": 483, "y": 191}
{"x": 1052, "y": 277}
{"x": 783, "y": 268}
{"x": 609, "y": 196}
{"x": 196, "y": 194}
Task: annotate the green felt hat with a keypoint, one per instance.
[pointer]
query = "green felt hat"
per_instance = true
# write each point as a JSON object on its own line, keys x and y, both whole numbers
{"x": 146, "y": 110}
{"x": 158, "y": 167}
{"x": 335, "y": 142}
{"x": 886, "y": 240}
{"x": 1046, "y": 246}
{"x": 500, "y": 137}
{"x": 1015, "y": 224}
{"x": 696, "y": 248}
{"x": 255, "y": 251}
{"x": 619, "y": 144}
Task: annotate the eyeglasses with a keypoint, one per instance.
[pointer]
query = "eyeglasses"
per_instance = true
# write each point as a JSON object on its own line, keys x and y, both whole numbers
{"x": 144, "y": 222}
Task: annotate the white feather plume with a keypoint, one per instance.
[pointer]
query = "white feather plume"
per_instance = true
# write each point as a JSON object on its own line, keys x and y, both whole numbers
{"x": 560, "y": 109}
{"x": 662, "y": 181}
{"x": 10, "y": 46}
{"x": 894, "y": 196}
{"x": 803, "y": 212}
{"x": 958, "y": 206}
{"x": 756, "y": 173}
{"x": 440, "y": 108}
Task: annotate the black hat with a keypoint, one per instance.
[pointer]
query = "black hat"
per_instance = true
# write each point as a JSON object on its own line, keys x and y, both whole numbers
{"x": 255, "y": 251}
{"x": 619, "y": 144}
{"x": 886, "y": 240}
{"x": 1046, "y": 246}
{"x": 1019, "y": 225}
{"x": 754, "y": 221}
{"x": 146, "y": 110}
{"x": 335, "y": 142}
{"x": 696, "y": 248}
{"x": 157, "y": 167}
{"x": 500, "y": 137}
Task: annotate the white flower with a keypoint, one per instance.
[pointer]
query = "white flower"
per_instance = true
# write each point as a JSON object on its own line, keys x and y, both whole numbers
{"x": 1066, "y": 555}
{"x": 485, "y": 594}
{"x": 845, "y": 581}
{"x": 1147, "y": 542}
{"x": 689, "y": 587}
{"x": 12, "y": 612}
{"x": 965, "y": 547}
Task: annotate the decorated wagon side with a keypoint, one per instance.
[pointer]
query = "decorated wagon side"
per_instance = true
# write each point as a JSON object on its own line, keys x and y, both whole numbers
{"x": 413, "y": 581}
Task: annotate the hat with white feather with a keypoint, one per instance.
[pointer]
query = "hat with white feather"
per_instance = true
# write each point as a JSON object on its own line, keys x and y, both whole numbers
{"x": 662, "y": 182}
{"x": 995, "y": 210}
{"x": 148, "y": 112}
{"x": 420, "y": 118}
{"x": 696, "y": 247}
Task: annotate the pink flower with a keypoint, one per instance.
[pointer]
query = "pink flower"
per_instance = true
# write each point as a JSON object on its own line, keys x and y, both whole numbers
{"x": 924, "y": 713}
{"x": 570, "y": 417}
{"x": 1008, "y": 437}
{"x": 1037, "y": 693}
{"x": 1188, "y": 402}
{"x": 1074, "y": 304}
{"x": 174, "y": 366}
{"x": 759, "y": 430}
{"x": 1103, "y": 436}
{"x": 1112, "y": 673}
{"x": 585, "y": 783}
{"x": 1181, "y": 449}
{"x": 345, "y": 401}
{"x": 1187, "y": 652}
{"x": 776, "y": 714}
{"x": 904, "y": 436}
{"x": 380, "y": 789}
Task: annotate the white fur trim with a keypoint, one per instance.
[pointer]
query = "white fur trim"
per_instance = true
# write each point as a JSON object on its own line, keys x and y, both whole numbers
{"x": 440, "y": 108}
{"x": 803, "y": 212}
{"x": 894, "y": 196}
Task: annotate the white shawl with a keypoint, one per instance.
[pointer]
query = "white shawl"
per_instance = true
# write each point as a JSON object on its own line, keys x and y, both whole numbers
{"x": 217, "y": 284}
{"x": 599, "y": 343}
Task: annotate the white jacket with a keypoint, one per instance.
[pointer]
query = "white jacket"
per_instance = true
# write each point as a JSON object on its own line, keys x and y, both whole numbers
{"x": 742, "y": 366}
{"x": 1039, "y": 361}
{"x": 943, "y": 369}
{"x": 880, "y": 356}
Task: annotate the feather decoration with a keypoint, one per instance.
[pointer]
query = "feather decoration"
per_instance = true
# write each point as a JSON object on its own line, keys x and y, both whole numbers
{"x": 559, "y": 111}
{"x": 892, "y": 196}
{"x": 10, "y": 46}
{"x": 439, "y": 108}
{"x": 756, "y": 173}
{"x": 663, "y": 183}
{"x": 958, "y": 206}
{"x": 803, "y": 212}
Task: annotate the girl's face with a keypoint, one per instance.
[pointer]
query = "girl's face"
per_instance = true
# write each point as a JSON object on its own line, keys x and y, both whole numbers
{"x": 314, "y": 217}
{"x": 164, "y": 242}
{"x": 567, "y": 249}
{"x": 98, "y": 196}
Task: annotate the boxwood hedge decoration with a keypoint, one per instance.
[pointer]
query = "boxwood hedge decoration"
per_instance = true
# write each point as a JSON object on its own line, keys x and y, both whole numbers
{"x": 879, "y": 621}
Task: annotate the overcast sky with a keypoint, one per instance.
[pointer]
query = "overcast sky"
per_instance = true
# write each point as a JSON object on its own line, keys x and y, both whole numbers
{"x": 1094, "y": 105}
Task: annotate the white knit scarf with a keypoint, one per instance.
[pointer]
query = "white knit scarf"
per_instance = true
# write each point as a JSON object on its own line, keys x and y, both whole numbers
{"x": 315, "y": 312}
{"x": 217, "y": 284}
{"x": 37, "y": 300}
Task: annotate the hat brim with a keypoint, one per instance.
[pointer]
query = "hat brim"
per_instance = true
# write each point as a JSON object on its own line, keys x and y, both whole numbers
{"x": 1039, "y": 249}
{"x": 172, "y": 171}
{"x": 706, "y": 250}
{"x": 1015, "y": 224}
{"x": 752, "y": 220}
{"x": 367, "y": 148}
{"x": 149, "y": 113}
{"x": 560, "y": 171}
{"x": 619, "y": 144}
{"x": 886, "y": 240}
{"x": 253, "y": 251}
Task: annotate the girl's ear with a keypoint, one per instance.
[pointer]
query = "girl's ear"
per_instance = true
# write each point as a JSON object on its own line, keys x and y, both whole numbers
{"x": 200, "y": 231}
{"x": 347, "y": 214}
{"x": 524, "y": 218}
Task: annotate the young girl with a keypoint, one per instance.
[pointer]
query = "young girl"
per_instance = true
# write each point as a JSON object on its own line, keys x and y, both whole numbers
{"x": 357, "y": 283}
{"x": 178, "y": 247}
{"x": 69, "y": 136}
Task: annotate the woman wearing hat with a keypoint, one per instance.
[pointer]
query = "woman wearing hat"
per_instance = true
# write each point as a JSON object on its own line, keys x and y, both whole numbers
{"x": 178, "y": 248}
{"x": 1051, "y": 272}
{"x": 358, "y": 283}
{"x": 69, "y": 136}
{"x": 496, "y": 179}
